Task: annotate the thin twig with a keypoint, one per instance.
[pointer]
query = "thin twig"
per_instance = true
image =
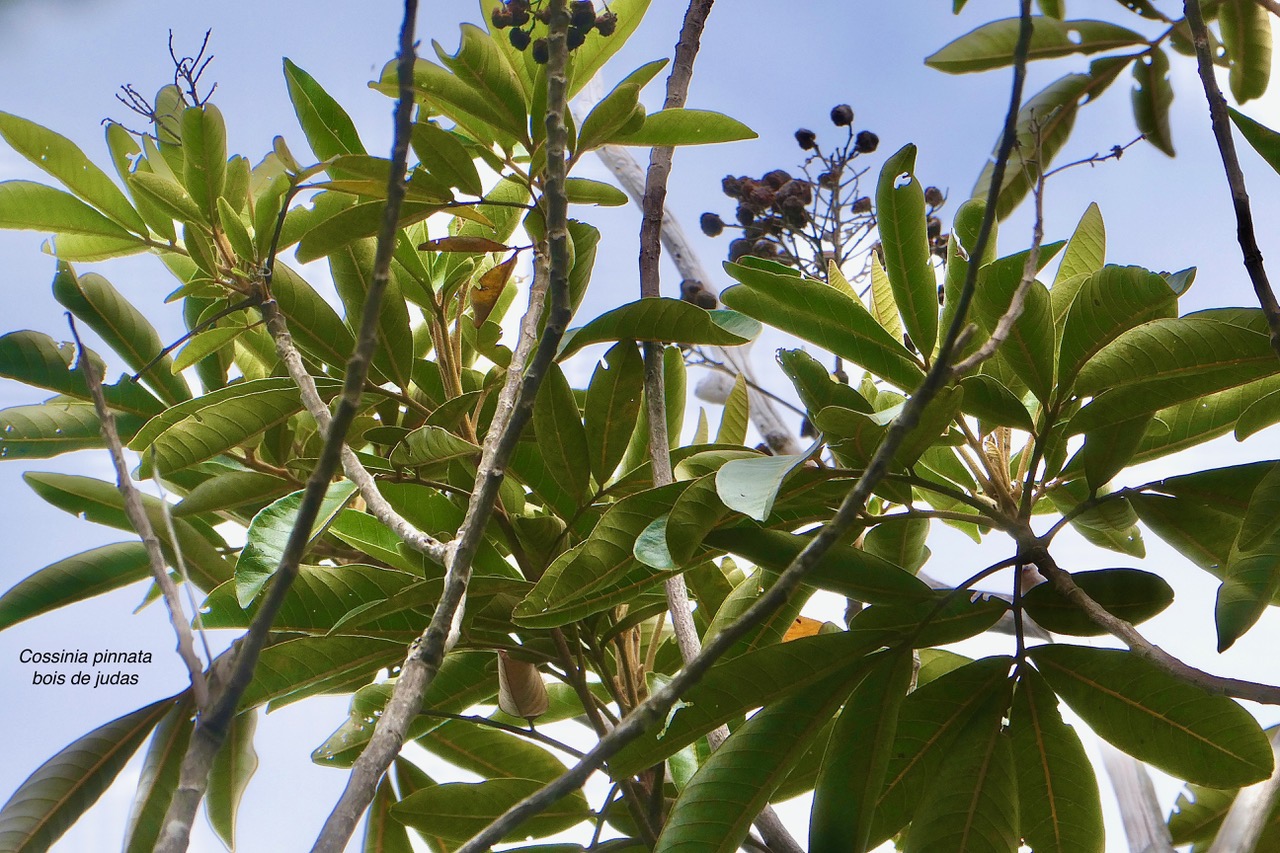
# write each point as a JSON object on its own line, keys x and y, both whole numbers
{"x": 1235, "y": 177}
{"x": 531, "y": 734}
{"x": 137, "y": 515}
{"x": 212, "y": 728}
{"x": 179, "y": 562}
{"x": 515, "y": 408}
{"x": 656, "y": 707}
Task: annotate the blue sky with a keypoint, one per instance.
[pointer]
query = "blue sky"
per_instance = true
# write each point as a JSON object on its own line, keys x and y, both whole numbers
{"x": 62, "y": 61}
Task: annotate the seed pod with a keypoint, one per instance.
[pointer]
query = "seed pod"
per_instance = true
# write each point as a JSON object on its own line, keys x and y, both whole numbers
{"x": 582, "y": 14}
{"x": 519, "y": 38}
{"x": 541, "y": 51}
{"x": 606, "y": 23}
{"x": 576, "y": 37}
{"x": 745, "y": 215}
{"x": 776, "y": 178}
{"x": 934, "y": 197}
{"x": 712, "y": 225}
{"x": 862, "y": 205}
{"x": 521, "y": 692}
{"x": 731, "y": 186}
{"x": 764, "y": 249}
{"x": 807, "y": 139}
{"x": 519, "y": 12}
{"x": 842, "y": 115}
{"x": 866, "y": 142}
{"x": 738, "y": 248}
{"x": 934, "y": 226}
{"x": 501, "y": 17}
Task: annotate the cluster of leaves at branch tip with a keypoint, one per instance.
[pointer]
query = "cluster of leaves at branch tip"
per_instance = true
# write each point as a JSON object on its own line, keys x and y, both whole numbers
{"x": 583, "y": 19}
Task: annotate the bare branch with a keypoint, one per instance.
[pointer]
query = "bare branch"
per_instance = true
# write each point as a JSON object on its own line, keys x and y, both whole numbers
{"x": 1235, "y": 177}
{"x": 211, "y": 730}
{"x": 1143, "y": 818}
{"x": 515, "y": 407}
{"x": 1251, "y": 811}
{"x": 1274, "y": 8}
{"x": 142, "y": 525}
{"x": 656, "y": 707}
{"x": 1141, "y": 646}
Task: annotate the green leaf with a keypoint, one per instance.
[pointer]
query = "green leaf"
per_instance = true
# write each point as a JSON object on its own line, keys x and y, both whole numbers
{"x": 1111, "y": 524}
{"x": 736, "y": 416}
{"x": 302, "y": 667}
{"x": 602, "y": 570}
{"x": 74, "y": 578}
{"x": 1168, "y": 361}
{"x": 750, "y": 486}
{"x": 1246, "y": 34}
{"x": 357, "y": 222}
{"x": 233, "y": 490}
{"x": 592, "y": 55}
{"x": 382, "y": 832}
{"x": 857, "y": 758}
{"x": 482, "y": 66}
{"x": 662, "y": 319}
{"x": 771, "y": 630}
{"x": 203, "y": 345}
{"x": 233, "y": 767}
{"x": 352, "y": 270}
{"x": 1156, "y": 717}
{"x": 458, "y": 810}
{"x": 587, "y": 191}
{"x": 490, "y": 753}
{"x": 993, "y": 403}
{"x": 961, "y": 242}
{"x": 1029, "y": 349}
{"x": 204, "y": 161}
{"x": 1151, "y": 98}
{"x": 1198, "y": 531}
{"x": 900, "y": 215}
{"x": 822, "y": 315}
{"x": 35, "y": 359}
{"x": 1250, "y": 583}
{"x": 815, "y": 386}
{"x": 616, "y": 110}
{"x": 1059, "y": 808}
{"x": 62, "y": 789}
{"x": 100, "y": 502}
{"x": 992, "y": 45}
{"x": 973, "y": 803}
{"x": 328, "y": 128}
{"x": 1044, "y": 123}
{"x": 883, "y": 306}
{"x": 900, "y": 541}
{"x": 199, "y": 429}
{"x": 94, "y": 301}
{"x": 63, "y": 159}
{"x": 315, "y": 326}
{"x": 1085, "y": 254}
{"x": 1108, "y": 303}
{"x": 1263, "y": 139}
{"x": 715, "y": 810}
{"x": 612, "y": 406}
{"x": 686, "y": 127}
{"x": 561, "y": 436}
{"x": 159, "y": 778}
{"x": 929, "y": 721}
{"x": 430, "y": 444}
{"x": 269, "y": 534}
{"x": 1131, "y": 594}
{"x": 844, "y": 569}
{"x": 733, "y": 687}
{"x": 1262, "y": 518}
{"x": 46, "y": 430}
{"x": 35, "y": 207}
{"x": 450, "y": 95}
{"x": 443, "y": 154}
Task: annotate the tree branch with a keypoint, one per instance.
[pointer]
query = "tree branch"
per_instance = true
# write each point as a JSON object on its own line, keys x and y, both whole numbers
{"x": 1140, "y": 645}
{"x": 1235, "y": 177}
{"x": 656, "y": 707}
{"x": 515, "y": 407}
{"x": 1251, "y": 811}
{"x": 142, "y": 525}
{"x": 211, "y": 729}
{"x": 1143, "y": 818}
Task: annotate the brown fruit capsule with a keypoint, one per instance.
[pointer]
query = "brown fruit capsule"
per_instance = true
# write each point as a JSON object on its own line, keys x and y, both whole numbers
{"x": 806, "y": 139}
{"x": 738, "y": 248}
{"x": 842, "y": 115}
{"x": 866, "y": 142}
{"x": 519, "y": 38}
{"x": 501, "y": 17}
{"x": 576, "y": 37}
{"x": 712, "y": 225}
{"x": 862, "y": 205}
{"x": 541, "y": 51}
{"x": 582, "y": 14}
{"x": 731, "y": 186}
{"x": 745, "y": 215}
{"x": 934, "y": 197}
{"x": 606, "y": 23}
{"x": 776, "y": 178}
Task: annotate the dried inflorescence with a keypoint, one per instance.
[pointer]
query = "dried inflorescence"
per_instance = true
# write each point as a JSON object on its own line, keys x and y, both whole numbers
{"x": 522, "y": 16}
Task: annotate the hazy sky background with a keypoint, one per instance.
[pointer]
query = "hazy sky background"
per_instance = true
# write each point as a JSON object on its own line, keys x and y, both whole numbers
{"x": 62, "y": 60}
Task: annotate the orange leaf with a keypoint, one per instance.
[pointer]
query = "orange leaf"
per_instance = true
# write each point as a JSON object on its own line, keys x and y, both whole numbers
{"x": 487, "y": 289}
{"x": 802, "y": 627}
{"x": 474, "y": 245}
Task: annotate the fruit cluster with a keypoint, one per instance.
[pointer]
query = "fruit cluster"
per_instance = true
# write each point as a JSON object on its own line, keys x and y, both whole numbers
{"x": 519, "y": 14}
